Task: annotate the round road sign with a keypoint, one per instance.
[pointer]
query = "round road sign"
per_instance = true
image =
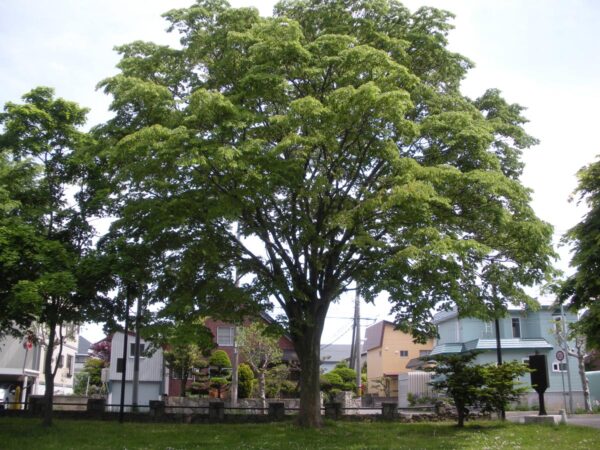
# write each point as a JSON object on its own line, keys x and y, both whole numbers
{"x": 560, "y": 355}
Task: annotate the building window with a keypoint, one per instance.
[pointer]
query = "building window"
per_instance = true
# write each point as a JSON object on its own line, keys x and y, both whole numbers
{"x": 559, "y": 366}
{"x": 61, "y": 361}
{"x": 424, "y": 353}
{"x": 403, "y": 353}
{"x": 120, "y": 364}
{"x": 516, "y": 327}
{"x": 488, "y": 329}
{"x": 225, "y": 336}
{"x": 69, "y": 365}
{"x": 132, "y": 350}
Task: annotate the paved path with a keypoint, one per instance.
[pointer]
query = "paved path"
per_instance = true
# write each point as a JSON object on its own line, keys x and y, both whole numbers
{"x": 588, "y": 420}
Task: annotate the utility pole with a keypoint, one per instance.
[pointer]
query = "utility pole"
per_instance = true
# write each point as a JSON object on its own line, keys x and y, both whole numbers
{"x": 357, "y": 340}
{"x": 124, "y": 366}
{"x": 566, "y": 350}
{"x": 233, "y": 390}
{"x": 499, "y": 356}
{"x": 498, "y": 343}
{"x": 136, "y": 357}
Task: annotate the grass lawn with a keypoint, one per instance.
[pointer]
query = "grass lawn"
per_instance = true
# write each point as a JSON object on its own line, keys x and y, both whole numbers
{"x": 18, "y": 433}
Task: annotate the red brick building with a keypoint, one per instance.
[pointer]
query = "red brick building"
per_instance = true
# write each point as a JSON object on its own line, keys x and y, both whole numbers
{"x": 224, "y": 336}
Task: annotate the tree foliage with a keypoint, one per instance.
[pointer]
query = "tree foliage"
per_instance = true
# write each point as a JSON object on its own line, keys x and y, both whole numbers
{"x": 582, "y": 289}
{"x": 187, "y": 347}
{"x": 89, "y": 380}
{"x": 324, "y": 146}
{"x": 260, "y": 351}
{"x": 489, "y": 387}
{"x": 220, "y": 360}
{"x": 44, "y": 233}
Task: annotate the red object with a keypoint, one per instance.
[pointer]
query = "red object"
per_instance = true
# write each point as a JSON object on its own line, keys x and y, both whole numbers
{"x": 27, "y": 345}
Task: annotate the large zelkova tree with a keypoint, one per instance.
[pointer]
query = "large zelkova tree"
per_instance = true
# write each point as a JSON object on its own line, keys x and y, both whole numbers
{"x": 321, "y": 148}
{"x": 44, "y": 230}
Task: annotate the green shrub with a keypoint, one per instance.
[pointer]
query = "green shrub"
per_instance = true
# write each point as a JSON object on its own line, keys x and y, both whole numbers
{"x": 289, "y": 389}
{"x": 220, "y": 360}
{"x": 332, "y": 381}
{"x": 245, "y": 379}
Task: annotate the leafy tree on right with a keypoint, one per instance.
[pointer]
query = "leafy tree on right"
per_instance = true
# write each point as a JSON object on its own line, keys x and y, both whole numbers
{"x": 582, "y": 289}
{"x": 322, "y": 148}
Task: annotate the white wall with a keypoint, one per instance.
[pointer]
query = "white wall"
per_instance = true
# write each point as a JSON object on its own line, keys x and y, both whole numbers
{"x": 151, "y": 367}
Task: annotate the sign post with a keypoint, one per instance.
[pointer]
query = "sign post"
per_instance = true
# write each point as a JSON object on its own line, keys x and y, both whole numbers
{"x": 539, "y": 378}
{"x": 560, "y": 356}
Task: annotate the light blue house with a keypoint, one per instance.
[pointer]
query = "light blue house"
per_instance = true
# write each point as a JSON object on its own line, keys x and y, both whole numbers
{"x": 522, "y": 333}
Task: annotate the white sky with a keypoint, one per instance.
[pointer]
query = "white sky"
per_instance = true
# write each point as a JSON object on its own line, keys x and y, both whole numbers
{"x": 543, "y": 54}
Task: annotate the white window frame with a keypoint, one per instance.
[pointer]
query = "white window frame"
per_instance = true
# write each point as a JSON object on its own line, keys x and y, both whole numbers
{"x": 225, "y": 340}
{"x": 132, "y": 348}
{"x": 556, "y": 366}
{"x": 488, "y": 329}
{"x": 512, "y": 327}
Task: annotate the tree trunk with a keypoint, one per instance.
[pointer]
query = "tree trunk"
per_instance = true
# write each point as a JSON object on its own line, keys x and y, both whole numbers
{"x": 49, "y": 377}
{"x": 183, "y": 382}
{"x": 584, "y": 383}
{"x": 262, "y": 388}
{"x": 306, "y": 335}
{"x": 460, "y": 414}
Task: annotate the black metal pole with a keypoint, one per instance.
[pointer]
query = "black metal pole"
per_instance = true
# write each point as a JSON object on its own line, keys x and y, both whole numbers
{"x": 126, "y": 334}
{"x": 499, "y": 356}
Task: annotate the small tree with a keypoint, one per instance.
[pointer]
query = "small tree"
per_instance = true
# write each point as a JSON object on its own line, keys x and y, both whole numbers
{"x": 331, "y": 383}
{"x": 500, "y": 387}
{"x": 101, "y": 350}
{"x": 189, "y": 343}
{"x": 489, "y": 386}
{"x": 45, "y": 237}
{"x": 574, "y": 340}
{"x": 460, "y": 379}
{"x": 382, "y": 384}
{"x": 347, "y": 375}
{"x": 275, "y": 378}
{"x": 261, "y": 351}
{"x": 219, "y": 360}
{"x": 89, "y": 380}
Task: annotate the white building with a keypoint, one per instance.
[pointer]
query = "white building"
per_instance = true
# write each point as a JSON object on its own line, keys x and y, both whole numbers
{"x": 152, "y": 374}
{"x": 22, "y": 364}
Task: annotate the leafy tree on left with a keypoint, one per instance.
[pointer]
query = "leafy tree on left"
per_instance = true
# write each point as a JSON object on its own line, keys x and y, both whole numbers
{"x": 45, "y": 238}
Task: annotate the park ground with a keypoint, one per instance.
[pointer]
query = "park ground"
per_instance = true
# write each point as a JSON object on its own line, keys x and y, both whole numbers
{"x": 19, "y": 433}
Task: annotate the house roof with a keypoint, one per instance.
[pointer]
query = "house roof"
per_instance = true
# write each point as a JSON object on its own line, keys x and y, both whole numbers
{"x": 444, "y": 315}
{"x": 447, "y": 348}
{"x": 83, "y": 345}
{"x": 490, "y": 344}
{"x": 335, "y": 353}
{"x": 374, "y": 335}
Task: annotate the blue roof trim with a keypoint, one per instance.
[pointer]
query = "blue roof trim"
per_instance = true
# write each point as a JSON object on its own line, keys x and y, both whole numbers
{"x": 447, "y": 348}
